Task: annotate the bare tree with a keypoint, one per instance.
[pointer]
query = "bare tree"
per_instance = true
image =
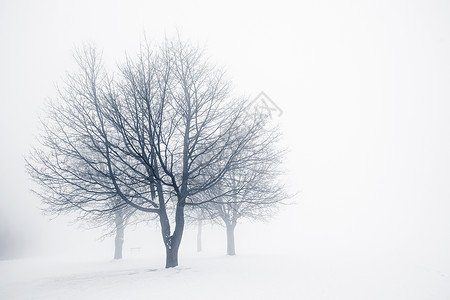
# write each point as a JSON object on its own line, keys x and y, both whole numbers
{"x": 197, "y": 216}
{"x": 113, "y": 224}
{"x": 144, "y": 136}
{"x": 253, "y": 188}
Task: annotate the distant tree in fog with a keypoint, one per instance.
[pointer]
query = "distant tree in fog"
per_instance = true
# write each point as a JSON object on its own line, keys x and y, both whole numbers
{"x": 113, "y": 224}
{"x": 70, "y": 166}
{"x": 251, "y": 190}
{"x": 155, "y": 135}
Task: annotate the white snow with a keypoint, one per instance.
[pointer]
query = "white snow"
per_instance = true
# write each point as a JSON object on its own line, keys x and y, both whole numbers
{"x": 207, "y": 276}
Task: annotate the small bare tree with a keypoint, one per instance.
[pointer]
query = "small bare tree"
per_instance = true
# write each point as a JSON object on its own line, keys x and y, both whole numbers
{"x": 113, "y": 224}
{"x": 250, "y": 190}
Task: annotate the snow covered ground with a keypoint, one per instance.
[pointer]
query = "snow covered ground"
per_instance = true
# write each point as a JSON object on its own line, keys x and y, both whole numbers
{"x": 208, "y": 276}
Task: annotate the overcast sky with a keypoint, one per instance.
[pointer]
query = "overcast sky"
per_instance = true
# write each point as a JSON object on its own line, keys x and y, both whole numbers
{"x": 363, "y": 85}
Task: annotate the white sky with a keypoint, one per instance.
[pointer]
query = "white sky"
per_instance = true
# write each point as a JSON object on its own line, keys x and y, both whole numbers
{"x": 364, "y": 86}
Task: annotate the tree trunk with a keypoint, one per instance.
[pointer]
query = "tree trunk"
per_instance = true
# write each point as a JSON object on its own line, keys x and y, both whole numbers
{"x": 172, "y": 242}
{"x": 118, "y": 245}
{"x": 199, "y": 236}
{"x": 172, "y": 247}
{"x": 171, "y": 257}
{"x": 120, "y": 233}
{"x": 230, "y": 239}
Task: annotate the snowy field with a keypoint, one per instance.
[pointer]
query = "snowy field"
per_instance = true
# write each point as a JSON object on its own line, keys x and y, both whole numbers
{"x": 206, "y": 276}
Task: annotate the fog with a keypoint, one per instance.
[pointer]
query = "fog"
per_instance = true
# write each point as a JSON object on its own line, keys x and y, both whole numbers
{"x": 364, "y": 91}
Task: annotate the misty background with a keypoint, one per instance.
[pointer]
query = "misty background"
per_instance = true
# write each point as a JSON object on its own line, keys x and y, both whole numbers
{"x": 364, "y": 89}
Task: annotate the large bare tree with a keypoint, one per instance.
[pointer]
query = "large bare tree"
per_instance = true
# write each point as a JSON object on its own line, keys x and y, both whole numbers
{"x": 144, "y": 135}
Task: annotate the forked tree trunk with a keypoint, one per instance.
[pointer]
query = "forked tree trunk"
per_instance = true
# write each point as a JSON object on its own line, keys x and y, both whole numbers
{"x": 120, "y": 233}
{"x": 231, "y": 250}
{"x": 199, "y": 236}
{"x": 172, "y": 242}
{"x": 172, "y": 247}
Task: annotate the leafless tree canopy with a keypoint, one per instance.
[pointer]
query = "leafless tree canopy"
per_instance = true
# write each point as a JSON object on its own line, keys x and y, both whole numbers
{"x": 159, "y": 134}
